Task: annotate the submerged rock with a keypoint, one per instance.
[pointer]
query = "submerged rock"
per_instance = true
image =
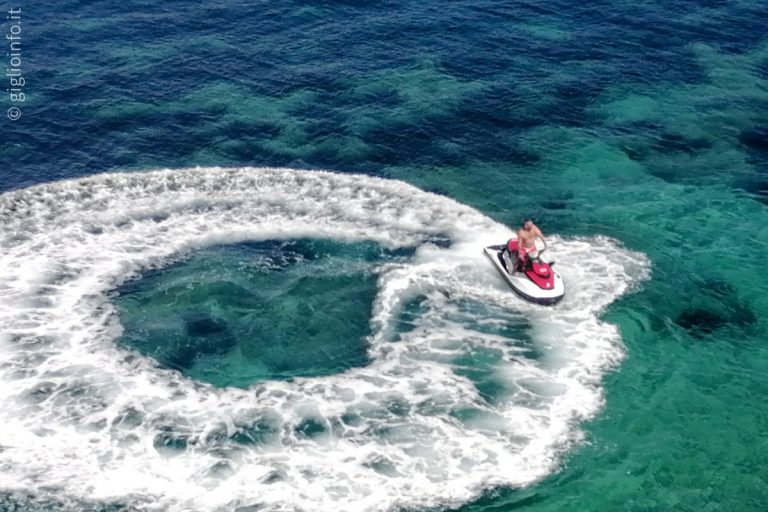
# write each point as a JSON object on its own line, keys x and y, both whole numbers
{"x": 719, "y": 307}
{"x": 755, "y": 139}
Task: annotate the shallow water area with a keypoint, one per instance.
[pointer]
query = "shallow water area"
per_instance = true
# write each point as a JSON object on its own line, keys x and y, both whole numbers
{"x": 239, "y": 314}
{"x": 457, "y": 387}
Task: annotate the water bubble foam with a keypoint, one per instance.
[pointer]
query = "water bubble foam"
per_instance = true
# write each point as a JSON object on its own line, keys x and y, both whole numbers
{"x": 480, "y": 389}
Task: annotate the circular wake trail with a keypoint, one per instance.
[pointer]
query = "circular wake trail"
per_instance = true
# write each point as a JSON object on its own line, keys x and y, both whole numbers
{"x": 84, "y": 418}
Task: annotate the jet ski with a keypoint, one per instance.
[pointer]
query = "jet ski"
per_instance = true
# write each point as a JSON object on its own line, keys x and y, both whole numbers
{"x": 536, "y": 281}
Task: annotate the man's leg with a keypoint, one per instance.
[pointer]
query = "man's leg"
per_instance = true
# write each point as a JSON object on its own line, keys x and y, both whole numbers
{"x": 530, "y": 255}
{"x": 522, "y": 259}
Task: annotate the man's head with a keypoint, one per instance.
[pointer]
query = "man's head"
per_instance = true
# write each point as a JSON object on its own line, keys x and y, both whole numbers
{"x": 527, "y": 224}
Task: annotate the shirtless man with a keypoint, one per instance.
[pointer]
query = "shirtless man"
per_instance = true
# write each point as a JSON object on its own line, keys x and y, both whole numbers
{"x": 526, "y": 238}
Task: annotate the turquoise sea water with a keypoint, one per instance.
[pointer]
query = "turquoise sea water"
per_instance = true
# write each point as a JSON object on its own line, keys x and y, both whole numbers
{"x": 643, "y": 122}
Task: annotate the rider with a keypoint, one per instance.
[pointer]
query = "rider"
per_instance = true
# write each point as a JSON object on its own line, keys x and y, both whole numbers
{"x": 526, "y": 238}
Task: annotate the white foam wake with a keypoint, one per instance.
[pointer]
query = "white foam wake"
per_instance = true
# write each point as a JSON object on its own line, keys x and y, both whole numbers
{"x": 80, "y": 416}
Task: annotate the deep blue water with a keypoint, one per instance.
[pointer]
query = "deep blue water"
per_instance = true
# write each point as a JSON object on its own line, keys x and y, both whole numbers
{"x": 130, "y": 85}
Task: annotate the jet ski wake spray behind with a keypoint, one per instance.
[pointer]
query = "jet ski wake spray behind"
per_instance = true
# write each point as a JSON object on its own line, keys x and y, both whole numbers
{"x": 533, "y": 280}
